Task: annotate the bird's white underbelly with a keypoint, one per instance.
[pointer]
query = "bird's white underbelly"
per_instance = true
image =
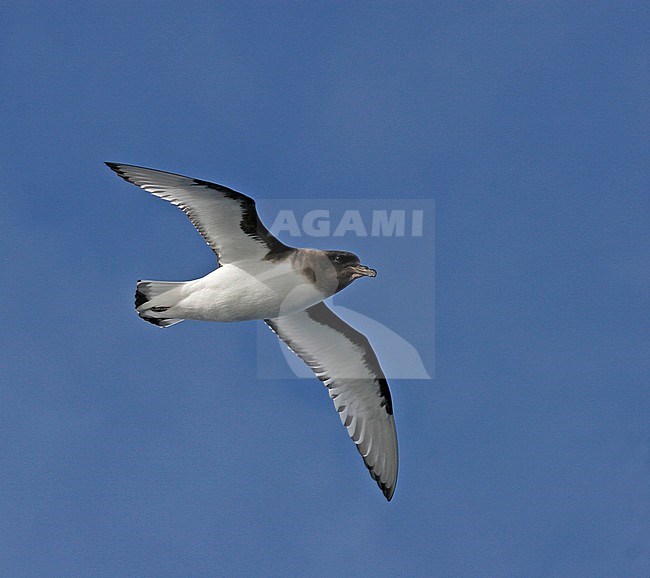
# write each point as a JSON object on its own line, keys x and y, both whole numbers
{"x": 232, "y": 293}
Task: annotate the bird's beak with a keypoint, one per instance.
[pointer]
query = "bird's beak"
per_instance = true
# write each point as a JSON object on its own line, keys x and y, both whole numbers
{"x": 363, "y": 271}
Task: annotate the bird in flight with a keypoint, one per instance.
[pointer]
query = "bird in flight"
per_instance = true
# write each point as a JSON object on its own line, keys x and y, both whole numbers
{"x": 259, "y": 277}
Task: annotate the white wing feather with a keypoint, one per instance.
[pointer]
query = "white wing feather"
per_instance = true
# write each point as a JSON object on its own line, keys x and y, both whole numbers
{"x": 226, "y": 219}
{"x": 343, "y": 359}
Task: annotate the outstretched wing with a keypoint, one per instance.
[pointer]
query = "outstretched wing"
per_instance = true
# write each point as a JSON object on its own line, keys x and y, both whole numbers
{"x": 343, "y": 360}
{"x": 226, "y": 219}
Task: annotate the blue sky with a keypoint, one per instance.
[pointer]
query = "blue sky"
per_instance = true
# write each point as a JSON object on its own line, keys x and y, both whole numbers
{"x": 127, "y": 450}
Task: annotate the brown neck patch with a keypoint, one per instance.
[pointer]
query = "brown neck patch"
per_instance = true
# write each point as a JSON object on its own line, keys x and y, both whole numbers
{"x": 309, "y": 274}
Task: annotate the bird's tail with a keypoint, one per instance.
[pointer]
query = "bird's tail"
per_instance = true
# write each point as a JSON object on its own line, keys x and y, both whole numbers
{"x": 150, "y": 302}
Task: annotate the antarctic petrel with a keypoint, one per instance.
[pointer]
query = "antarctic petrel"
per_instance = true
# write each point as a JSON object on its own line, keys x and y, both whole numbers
{"x": 259, "y": 277}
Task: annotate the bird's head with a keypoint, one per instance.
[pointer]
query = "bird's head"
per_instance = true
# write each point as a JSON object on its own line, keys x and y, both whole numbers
{"x": 348, "y": 267}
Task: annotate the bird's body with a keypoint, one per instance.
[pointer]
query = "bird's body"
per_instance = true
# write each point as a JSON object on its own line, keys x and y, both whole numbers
{"x": 261, "y": 278}
{"x": 236, "y": 292}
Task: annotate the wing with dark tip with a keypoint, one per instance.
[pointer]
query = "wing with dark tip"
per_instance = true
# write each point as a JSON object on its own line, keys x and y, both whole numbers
{"x": 344, "y": 361}
{"x": 226, "y": 219}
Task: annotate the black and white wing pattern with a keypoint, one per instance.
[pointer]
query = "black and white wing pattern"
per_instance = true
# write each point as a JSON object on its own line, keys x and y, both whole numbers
{"x": 344, "y": 361}
{"x": 226, "y": 219}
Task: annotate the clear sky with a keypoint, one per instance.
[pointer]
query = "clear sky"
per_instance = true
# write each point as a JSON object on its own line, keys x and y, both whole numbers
{"x": 126, "y": 450}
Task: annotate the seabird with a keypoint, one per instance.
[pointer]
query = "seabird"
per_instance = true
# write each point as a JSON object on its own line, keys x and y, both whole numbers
{"x": 259, "y": 277}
